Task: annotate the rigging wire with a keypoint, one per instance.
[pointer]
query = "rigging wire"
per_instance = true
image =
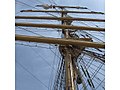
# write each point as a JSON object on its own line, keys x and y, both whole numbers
{"x": 100, "y": 83}
{"x": 88, "y": 25}
{"x": 42, "y": 58}
{"x": 53, "y": 2}
{"x": 30, "y": 31}
{"x": 62, "y": 82}
{"x": 90, "y": 65}
{"x": 52, "y": 67}
{"x": 54, "y": 85}
{"x": 86, "y": 65}
{"x": 47, "y": 63}
{"x": 39, "y": 1}
{"x": 45, "y": 59}
{"x": 55, "y": 54}
{"x": 94, "y": 65}
{"x": 92, "y": 74}
{"x": 90, "y": 35}
{"x": 97, "y": 56}
{"x": 42, "y": 29}
{"x": 51, "y": 75}
{"x": 87, "y": 76}
{"x": 95, "y": 78}
{"x": 19, "y": 2}
{"x": 17, "y": 13}
{"x": 89, "y": 80}
{"x": 35, "y": 77}
{"x": 83, "y": 22}
{"x": 50, "y": 49}
{"x": 35, "y": 8}
{"x": 33, "y": 46}
{"x": 26, "y": 4}
{"x": 96, "y": 71}
{"x": 56, "y": 73}
{"x": 59, "y": 74}
{"x": 98, "y": 27}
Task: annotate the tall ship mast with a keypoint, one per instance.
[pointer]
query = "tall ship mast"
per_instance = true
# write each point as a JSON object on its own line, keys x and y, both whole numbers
{"x": 69, "y": 54}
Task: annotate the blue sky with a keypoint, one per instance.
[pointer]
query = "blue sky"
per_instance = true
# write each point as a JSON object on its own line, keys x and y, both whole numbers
{"x": 34, "y": 66}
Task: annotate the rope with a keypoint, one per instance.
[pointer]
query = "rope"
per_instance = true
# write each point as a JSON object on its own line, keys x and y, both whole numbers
{"x": 31, "y": 74}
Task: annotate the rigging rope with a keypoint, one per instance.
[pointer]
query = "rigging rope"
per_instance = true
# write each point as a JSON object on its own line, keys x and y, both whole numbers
{"x": 96, "y": 71}
{"x": 43, "y": 58}
{"x": 60, "y": 72}
{"x": 51, "y": 75}
{"x": 33, "y": 45}
{"x": 89, "y": 66}
{"x": 31, "y": 74}
{"x": 30, "y": 31}
{"x": 35, "y": 8}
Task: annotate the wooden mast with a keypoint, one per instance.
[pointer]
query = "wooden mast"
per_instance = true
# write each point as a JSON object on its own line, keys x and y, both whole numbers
{"x": 65, "y": 41}
{"x": 69, "y": 83}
